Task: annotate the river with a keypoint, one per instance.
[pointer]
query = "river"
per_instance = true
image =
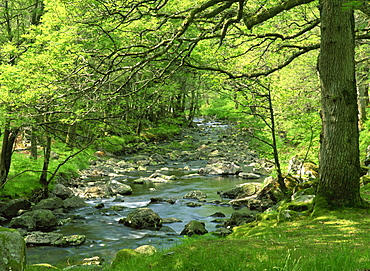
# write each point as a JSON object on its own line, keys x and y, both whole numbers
{"x": 105, "y": 236}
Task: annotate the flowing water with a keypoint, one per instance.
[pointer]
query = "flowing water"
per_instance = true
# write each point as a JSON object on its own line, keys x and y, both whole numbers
{"x": 105, "y": 236}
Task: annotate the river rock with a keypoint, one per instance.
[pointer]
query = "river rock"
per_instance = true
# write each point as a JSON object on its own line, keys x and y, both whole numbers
{"x": 11, "y": 208}
{"x": 157, "y": 159}
{"x": 49, "y": 204}
{"x": 162, "y": 176}
{"x": 42, "y": 238}
{"x": 62, "y": 192}
{"x": 141, "y": 160}
{"x": 96, "y": 260}
{"x": 70, "y": 240}
{"x": 193, "y": 204}
{"x": 218, "y": 214}
{"x": 97, "y": 192}
{"x": 196, "y": 194}
{"x": 74, "y": 202}
{"x": 241, "y": 190}
{"x": 249, "y": 175}
{"x": 221, "y": 168}
{"x": 253, "y": 203}
{"x": 142, "y": 218}
{"x": 37, "y": 219}
{"x": 170, "y": 220}
{"x": 146, "y": 249}
{"x": 222, "y": 232}
{"x": 155, "y": 178}
{"x": 118, "y": 188}
{"x": 194, "y": 227}
{"x": 12, "y": 250}
{"x": 238, "y": 219}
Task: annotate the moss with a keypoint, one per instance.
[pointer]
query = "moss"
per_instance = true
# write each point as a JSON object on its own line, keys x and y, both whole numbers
{"x": 41, "y": 267}
{"x": 124, "y": 255}
{"x": 12, "y": 250}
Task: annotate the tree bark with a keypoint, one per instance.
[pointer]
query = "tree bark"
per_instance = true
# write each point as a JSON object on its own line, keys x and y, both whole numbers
{"x": 44, "y": 175}
{"x": 339, "y": 153}
{"x": 9, "y": 136}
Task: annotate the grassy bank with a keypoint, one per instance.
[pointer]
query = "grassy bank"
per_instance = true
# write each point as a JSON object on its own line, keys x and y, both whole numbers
{"x": 336, "y": 240}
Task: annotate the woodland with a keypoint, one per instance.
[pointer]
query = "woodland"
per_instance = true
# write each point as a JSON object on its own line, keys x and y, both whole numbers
{"x": 96, "y": 74}
{"x": 84, "y": 77}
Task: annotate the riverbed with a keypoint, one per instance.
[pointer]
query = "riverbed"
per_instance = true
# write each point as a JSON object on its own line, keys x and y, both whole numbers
{"x": 105, "y": 236}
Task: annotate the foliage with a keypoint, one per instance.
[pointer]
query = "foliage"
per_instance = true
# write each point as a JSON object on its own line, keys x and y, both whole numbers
{"x": 24, "y": 173}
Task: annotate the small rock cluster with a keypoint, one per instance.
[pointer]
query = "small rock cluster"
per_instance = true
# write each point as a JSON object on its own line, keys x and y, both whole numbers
{"x": 35, "y": 221}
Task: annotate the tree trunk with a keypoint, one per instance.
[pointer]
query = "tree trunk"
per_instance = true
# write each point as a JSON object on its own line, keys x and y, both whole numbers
{"x": 339, "y": 153}
{"x": 280, "y": 178}
{"x": 44, "y": 175}
{"x": 9, "y": 136}
{"x": 71, "y": 135}
{"x": 33, "y": 147}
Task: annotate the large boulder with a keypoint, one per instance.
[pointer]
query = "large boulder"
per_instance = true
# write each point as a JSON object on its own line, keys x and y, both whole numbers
{"x": 54, "y": 239}
{"x": 74, "y": 202}
{"x": 42, "y": 238}
{"x": 11, "y": 208}
{"x": 142, "y": 218}
{"x": 49, "y": 204}
{"x": 62, "y": 192}
{"x": 238, "y": 219}
{"x": 241, "y": 190}
{"x": 37, "y": 219}
{"x": 194, "y": 227}
{"x": 12, "y": 250}
{"x": 118, "y": 188}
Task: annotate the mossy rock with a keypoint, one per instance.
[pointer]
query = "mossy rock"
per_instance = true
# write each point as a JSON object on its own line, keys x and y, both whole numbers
{"x": 288, "y": 215}
{"x": 41, "y": 267}
{"x": 268, "y": 216}
{"x": 124, "y": 255}
{"x": 71, "y": 240}
{"x": 146, "y": 249}
{"x": 12, "y": 250}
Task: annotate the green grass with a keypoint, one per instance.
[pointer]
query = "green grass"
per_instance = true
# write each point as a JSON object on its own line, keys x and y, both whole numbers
{"x": 331, "y": 241}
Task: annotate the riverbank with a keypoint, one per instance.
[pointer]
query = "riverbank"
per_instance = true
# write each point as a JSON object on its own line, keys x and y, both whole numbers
{"x": 327, "y": 241}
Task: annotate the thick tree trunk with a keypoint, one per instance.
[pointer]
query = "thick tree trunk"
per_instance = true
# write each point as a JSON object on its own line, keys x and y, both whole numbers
{"x": 339, "y": 153}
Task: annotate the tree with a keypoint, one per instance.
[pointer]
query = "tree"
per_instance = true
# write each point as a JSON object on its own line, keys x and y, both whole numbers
{"x": 339, "y": 153}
